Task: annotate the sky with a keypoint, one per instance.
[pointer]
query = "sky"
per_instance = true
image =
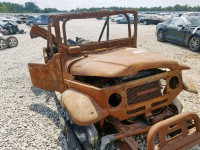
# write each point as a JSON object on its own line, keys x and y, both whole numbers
{"x": 73, "y": 4}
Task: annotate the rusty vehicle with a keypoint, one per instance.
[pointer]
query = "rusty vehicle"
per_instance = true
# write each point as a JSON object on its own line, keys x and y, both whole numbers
{"x": 114, "y": 91}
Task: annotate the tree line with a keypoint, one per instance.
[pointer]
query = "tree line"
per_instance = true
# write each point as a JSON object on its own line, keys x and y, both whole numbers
{"x": 169, "y": 8}
{"x": 30, "y": 7}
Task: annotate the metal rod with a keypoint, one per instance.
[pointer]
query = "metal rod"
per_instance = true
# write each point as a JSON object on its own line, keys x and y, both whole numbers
{"x": 104, "y": 26}
{"x": 108, "y": 28}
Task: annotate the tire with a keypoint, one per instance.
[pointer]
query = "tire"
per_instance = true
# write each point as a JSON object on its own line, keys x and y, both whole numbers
{"x": 178, "y": 105}
{"x": 132, "y": 22}
{"x": 31, "y": 24}
{"x": 12, "y": 41}
{"x": 145, "y": 23}
{"x": 3, "y": 44}
{"x": 160, "y": 36}
{"x": 194, "y": 43}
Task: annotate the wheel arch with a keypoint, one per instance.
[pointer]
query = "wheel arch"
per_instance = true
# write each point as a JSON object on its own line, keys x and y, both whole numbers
{"x": 82, "y": 108}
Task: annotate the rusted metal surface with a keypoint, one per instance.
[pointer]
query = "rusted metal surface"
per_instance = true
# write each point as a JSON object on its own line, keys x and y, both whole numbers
{"x": 122, "y": 112}
{"x": 89, "y": 75}
{"x": 121, "y": 62}
{"x": 47, "y": 76}
{"x": 77, "y": 102}
{"x": 37, "y": 31}
{"x": 184, "y": 139}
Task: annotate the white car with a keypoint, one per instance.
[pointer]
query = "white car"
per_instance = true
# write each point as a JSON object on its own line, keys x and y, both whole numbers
{"x": 116, "y": 17}
{"x": 8, "y": 20}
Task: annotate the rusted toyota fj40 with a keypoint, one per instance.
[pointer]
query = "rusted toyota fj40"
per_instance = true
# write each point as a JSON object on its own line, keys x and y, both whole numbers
{"x": 114, "y": 91}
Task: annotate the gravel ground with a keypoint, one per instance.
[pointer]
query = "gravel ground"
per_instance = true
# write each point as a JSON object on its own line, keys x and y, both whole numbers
{"x": 30, "y": 116}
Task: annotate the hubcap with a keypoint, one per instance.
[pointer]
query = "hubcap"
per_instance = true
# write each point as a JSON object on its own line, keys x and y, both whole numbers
{"x": 194, "y": 43}
{"x": 12, "y": 42}
{"x": 2, "y": 44}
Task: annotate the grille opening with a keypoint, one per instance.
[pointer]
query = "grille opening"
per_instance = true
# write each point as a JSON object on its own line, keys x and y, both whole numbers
{"x": 115, "y": 99}
{"x": 173, "y": 134}
{"x": 172, "y": 126}
{"x": 174, "y": 82}
{"x": 146, "y": 92}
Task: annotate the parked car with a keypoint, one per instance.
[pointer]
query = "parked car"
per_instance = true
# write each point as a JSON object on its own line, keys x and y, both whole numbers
{"x": 124, "y": 20}
{"x": 150, "y": 19}
{"x": 116, "y": 17}
{"x": 40, "y": 20}
{"x": 2, "y": 31}
{"x": 10, "y": 27}
{"x": 181, "y": 30}
{"x": 30, "y": 18}
{"x": 8, "y": 20}
{"x": 15, "y": 19}
{"x": 191, "y": 14}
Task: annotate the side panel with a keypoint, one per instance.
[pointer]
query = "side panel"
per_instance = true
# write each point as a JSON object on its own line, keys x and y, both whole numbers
{"x": 47, "y": 76}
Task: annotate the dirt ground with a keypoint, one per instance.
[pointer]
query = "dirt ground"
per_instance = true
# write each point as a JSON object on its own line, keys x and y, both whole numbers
{"x": 30, "y": 116}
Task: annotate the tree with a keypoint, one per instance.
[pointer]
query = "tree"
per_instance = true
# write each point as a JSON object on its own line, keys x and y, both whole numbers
{"x": 31, "y": 7}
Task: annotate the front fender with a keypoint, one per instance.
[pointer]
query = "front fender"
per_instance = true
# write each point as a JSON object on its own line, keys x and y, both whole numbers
{"x": 82, "y": 108}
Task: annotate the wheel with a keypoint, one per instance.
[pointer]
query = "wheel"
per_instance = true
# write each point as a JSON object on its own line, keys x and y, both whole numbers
{"x": 160, "y": 36}
{"x": 31, "y": 24}
{"x": 3, "y": 44}
{"x": 132, "y": 22}
{"x": 12, "y": 41}
{"x": 178, "y": 105}
{"x": 194, "y": 43}
{"x": 112, "y": 20}
{"x": 145, "y": 23}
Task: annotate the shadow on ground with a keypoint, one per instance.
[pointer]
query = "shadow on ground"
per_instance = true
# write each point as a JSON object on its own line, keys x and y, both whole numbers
{"x": 65, "y": 142}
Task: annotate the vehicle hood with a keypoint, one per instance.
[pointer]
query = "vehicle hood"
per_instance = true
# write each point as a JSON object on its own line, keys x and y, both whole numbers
{"x": 119, "y": 62}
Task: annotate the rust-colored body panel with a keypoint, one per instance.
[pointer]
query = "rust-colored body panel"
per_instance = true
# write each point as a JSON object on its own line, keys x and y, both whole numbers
{"x": 186, "y": 139}
{"x": 77, "y": 102}
{"x": 89, "y": 103}
{"x": 101, "y": 95}
{"x": 47, "y": 76}
{"x": 120, "y": 62}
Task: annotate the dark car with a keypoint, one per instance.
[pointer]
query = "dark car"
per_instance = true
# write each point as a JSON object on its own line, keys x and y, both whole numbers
{"x": 10, "y": 28}
{"x": 181, "y": 30}
{"x": 150, "y": 19}
{"x": 40, "y": 20}
{"x": 30, "y": 18}
{"x": 124, "y": 20}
